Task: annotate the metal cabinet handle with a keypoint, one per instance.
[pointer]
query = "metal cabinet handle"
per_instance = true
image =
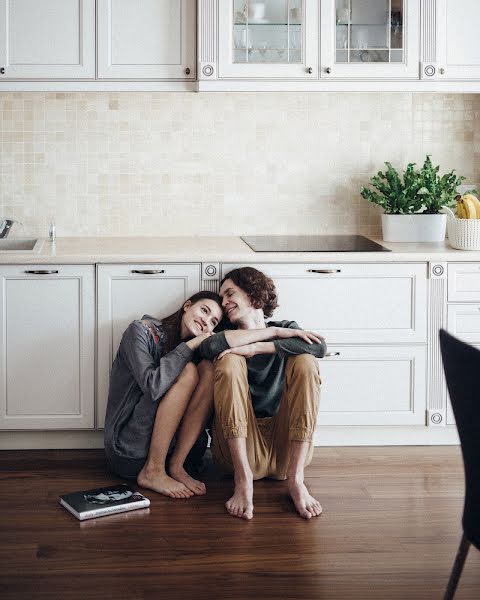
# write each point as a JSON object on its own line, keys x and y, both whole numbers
{"x": 187, "y": 71}
{"x": 332, "y": 354}
{"x": 328, "y": 70}
{"x": 442, "y": 71}
{"x": 148, "y": 271}
{"x": 324, "y": 271}
{"x": 310, "y": 70}
{"x": 2, "y": 70}
{"x": 42, "y": 272}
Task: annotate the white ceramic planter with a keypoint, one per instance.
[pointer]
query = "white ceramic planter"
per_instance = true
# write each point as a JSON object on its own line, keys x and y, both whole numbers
{"x": 414, "y": 228}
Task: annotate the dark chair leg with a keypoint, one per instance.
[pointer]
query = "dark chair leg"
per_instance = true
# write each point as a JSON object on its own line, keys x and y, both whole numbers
{"x": 457, "y": 568}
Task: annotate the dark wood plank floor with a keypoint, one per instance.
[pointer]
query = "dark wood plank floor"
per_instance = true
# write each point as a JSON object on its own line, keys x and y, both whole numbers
{"x": 390, "y": 530}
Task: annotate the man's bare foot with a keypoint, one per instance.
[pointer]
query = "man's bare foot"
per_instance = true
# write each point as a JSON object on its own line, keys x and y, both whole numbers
{"x": 307, "y": 506}
{"x": 241, "y": 503}
{"x": 163, "y": 484}
{"x": 195, "y": 486}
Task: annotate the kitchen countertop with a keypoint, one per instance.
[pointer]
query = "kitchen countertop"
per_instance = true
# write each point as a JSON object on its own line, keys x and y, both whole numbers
{"x": 91, "y": 250}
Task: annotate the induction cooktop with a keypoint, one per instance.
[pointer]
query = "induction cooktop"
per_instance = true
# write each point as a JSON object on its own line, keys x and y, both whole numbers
{"x": 312, "y": 243}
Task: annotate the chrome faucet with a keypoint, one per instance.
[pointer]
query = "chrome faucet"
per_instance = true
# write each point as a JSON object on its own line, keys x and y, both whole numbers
{"x": 5, "y": 227}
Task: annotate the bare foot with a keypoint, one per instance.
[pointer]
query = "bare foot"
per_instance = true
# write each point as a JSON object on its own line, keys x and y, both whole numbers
{"x": 241, "y": 503}
{"x": 195, "y": 486}
{"x": 163, "y": 484}
{"x": 307, "y": 506}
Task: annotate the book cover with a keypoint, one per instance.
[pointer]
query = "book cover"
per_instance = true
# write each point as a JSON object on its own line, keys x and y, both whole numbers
{"x": 88, "y": 504}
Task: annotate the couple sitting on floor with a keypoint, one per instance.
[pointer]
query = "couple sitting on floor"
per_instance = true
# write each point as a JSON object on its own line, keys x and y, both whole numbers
{"x": 260, "y": 379}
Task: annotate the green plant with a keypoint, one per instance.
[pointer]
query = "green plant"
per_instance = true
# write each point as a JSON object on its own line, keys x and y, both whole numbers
{"x": 437, "y": 191}
{"x": 419, "y": 189}
{"x": 395, "y": 195}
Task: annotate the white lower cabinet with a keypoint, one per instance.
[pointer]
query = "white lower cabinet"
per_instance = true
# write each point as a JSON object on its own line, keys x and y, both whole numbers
{"x": 375, "y": 317}
{"x": 47, "y": 333}
{"x": 126, "y": 293}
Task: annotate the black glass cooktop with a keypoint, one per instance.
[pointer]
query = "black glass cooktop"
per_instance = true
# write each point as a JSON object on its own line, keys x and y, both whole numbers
{"x": 312, "y": 243}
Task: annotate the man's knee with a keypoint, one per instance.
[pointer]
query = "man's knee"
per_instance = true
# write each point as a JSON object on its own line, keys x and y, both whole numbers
{"x": 206, "y": 369}
{"x": 230, "y": 365}
{"x": 304, "y": 365}
{"x": 189, "y": 375}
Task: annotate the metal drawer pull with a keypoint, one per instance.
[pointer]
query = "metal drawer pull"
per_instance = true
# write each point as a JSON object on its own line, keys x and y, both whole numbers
{"x": 332, "y": 354}
{"x": 148, "y": 271}
{"x": 324, "y": 271}
{"x": 42, "y": 272}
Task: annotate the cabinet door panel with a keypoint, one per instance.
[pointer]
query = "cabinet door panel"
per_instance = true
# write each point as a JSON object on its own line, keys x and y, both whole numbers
{"x": 47, "y": 39}
{"x": 47, "y": 333}
{"x": 464, "y": 282}
{"x": 360, "y": 303}
{"x": 124, "y": 296}
{"x": 373, "y": 386}
{"x": 152, "y": 39}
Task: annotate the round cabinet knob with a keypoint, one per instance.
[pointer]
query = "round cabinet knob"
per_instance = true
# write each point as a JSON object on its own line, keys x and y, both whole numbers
{"x": 429, "y": 70}
{"x": 309, "y": 70}
{"x": 187, "y": 71}
{"x": 2, "y": 71}
{"x": 328, "y": 70}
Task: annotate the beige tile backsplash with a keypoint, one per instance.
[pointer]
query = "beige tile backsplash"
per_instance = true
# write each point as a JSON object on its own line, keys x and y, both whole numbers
{"x": 218, "y": 163}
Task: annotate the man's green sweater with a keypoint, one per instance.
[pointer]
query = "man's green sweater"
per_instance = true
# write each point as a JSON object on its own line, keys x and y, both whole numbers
{"x": 266, "y": 372}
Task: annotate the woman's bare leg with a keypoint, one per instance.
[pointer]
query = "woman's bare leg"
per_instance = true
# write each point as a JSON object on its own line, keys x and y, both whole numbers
{"x": 196, "y": 415}
{"x": 170, "y": 411}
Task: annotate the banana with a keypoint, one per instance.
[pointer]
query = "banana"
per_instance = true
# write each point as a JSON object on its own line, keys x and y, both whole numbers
{"x": 476, "y": 203}
{"x": 466, "y": 207}
{"x": 461, "y": 209}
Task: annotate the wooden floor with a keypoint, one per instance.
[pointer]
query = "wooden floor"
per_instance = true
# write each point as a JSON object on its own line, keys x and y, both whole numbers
{"x": 390, "y": 530}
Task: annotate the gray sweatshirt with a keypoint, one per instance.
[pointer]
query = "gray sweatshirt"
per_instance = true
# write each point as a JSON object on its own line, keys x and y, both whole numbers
{"x": 141, "y": 374}
{"x": 266, "y": 372}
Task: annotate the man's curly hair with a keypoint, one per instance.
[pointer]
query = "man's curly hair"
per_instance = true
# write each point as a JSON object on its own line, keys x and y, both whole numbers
{"x": 258, "y": 287}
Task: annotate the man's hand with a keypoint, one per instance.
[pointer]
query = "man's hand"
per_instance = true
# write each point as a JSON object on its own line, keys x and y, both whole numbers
{"x": 307, "y": 336}
{"x": 195, "y": 342}
{"x": 247, "y": 351}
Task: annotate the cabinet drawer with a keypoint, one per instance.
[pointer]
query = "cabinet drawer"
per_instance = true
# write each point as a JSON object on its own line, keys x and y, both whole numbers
{"x": 360, "y": 303}
{"x": 463, "y": 320}
{"x": 464, "y": 282}
{"x": 373, "y": 386}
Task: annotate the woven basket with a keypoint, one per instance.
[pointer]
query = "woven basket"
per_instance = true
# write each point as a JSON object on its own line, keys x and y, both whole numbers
{"x": 463, "y": 234}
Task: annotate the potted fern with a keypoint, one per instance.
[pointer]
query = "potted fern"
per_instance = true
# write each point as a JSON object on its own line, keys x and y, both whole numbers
{"x": 412, "y": 202}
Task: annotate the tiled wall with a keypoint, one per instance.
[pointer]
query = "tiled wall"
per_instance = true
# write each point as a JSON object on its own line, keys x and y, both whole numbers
{"x": 218, "y": 163}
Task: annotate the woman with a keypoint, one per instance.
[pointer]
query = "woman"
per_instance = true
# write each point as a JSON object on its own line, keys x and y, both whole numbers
{"x": 158, "y": 393}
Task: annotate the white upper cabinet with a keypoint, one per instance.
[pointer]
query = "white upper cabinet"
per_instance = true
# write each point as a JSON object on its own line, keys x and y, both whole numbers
{"x": 370, "y": 39}
{"x": 47, "y": 39}
{"x": 151, "y": 39}
{"x": 458, "y": 50}
{"x": 269, "y": 39}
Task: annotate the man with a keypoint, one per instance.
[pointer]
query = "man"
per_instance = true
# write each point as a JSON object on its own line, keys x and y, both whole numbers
{"x": 266, "y": 391}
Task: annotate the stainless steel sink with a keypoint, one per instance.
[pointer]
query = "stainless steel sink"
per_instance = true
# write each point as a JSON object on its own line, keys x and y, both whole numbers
{"x": 32, "y": 245}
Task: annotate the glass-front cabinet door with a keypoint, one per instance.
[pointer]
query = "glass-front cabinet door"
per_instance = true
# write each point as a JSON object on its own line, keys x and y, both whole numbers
{"x": 370, "y": 38}
{"x": 268, "y": 39}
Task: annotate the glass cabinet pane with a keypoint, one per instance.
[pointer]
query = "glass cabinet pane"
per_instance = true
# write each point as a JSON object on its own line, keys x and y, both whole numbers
{"x": 268, "y": 31}
{"x": 369, "y": 31}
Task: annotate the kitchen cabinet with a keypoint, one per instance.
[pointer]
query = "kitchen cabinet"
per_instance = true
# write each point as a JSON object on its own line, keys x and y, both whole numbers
{"x": 452, "y": 51}
{"x": 126, "y": 293}
{"x": 51, "y": 39}
{"x": 152, "y": 39}
{"x": 369, "y": 39}
{"x": 375, "y": 317}
{"x": 268, "y": 39}
{"x": 47, "y": 334}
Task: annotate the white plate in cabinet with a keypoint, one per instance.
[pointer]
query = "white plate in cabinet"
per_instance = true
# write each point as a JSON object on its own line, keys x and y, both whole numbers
{"x": 47, "y": 335}
{"x": 464, "y": 282}
{"x": 353, "y": 303}
{"x": 47, "y": 39}
{"x": 126, "y": 293}
{"x": 373, "y": 386}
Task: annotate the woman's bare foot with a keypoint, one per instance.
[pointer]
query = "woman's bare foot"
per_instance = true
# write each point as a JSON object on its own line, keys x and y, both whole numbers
{"x": 241, "y": 503}
{"x": 195, "y": 486}
{"x": 163, "y": 484}
{"x": 307, "y": 506}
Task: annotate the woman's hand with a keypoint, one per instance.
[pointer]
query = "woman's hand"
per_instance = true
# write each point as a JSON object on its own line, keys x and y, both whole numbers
{"x": 307, "y": 336}
{"x": 195, "y": 342}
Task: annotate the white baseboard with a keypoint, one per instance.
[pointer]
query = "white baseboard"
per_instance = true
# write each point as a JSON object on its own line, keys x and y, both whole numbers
{"x": 324, "y": 436}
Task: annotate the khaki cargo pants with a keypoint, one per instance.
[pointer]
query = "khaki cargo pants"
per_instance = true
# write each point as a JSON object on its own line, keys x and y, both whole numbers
{"x": 268, "y": 439}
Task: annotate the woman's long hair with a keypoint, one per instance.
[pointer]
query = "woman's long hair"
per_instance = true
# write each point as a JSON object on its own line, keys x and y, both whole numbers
{"x": 172, "y": 324}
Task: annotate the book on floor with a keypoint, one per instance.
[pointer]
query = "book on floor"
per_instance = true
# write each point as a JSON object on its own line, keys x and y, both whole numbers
{"x": 99, "y": 502}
